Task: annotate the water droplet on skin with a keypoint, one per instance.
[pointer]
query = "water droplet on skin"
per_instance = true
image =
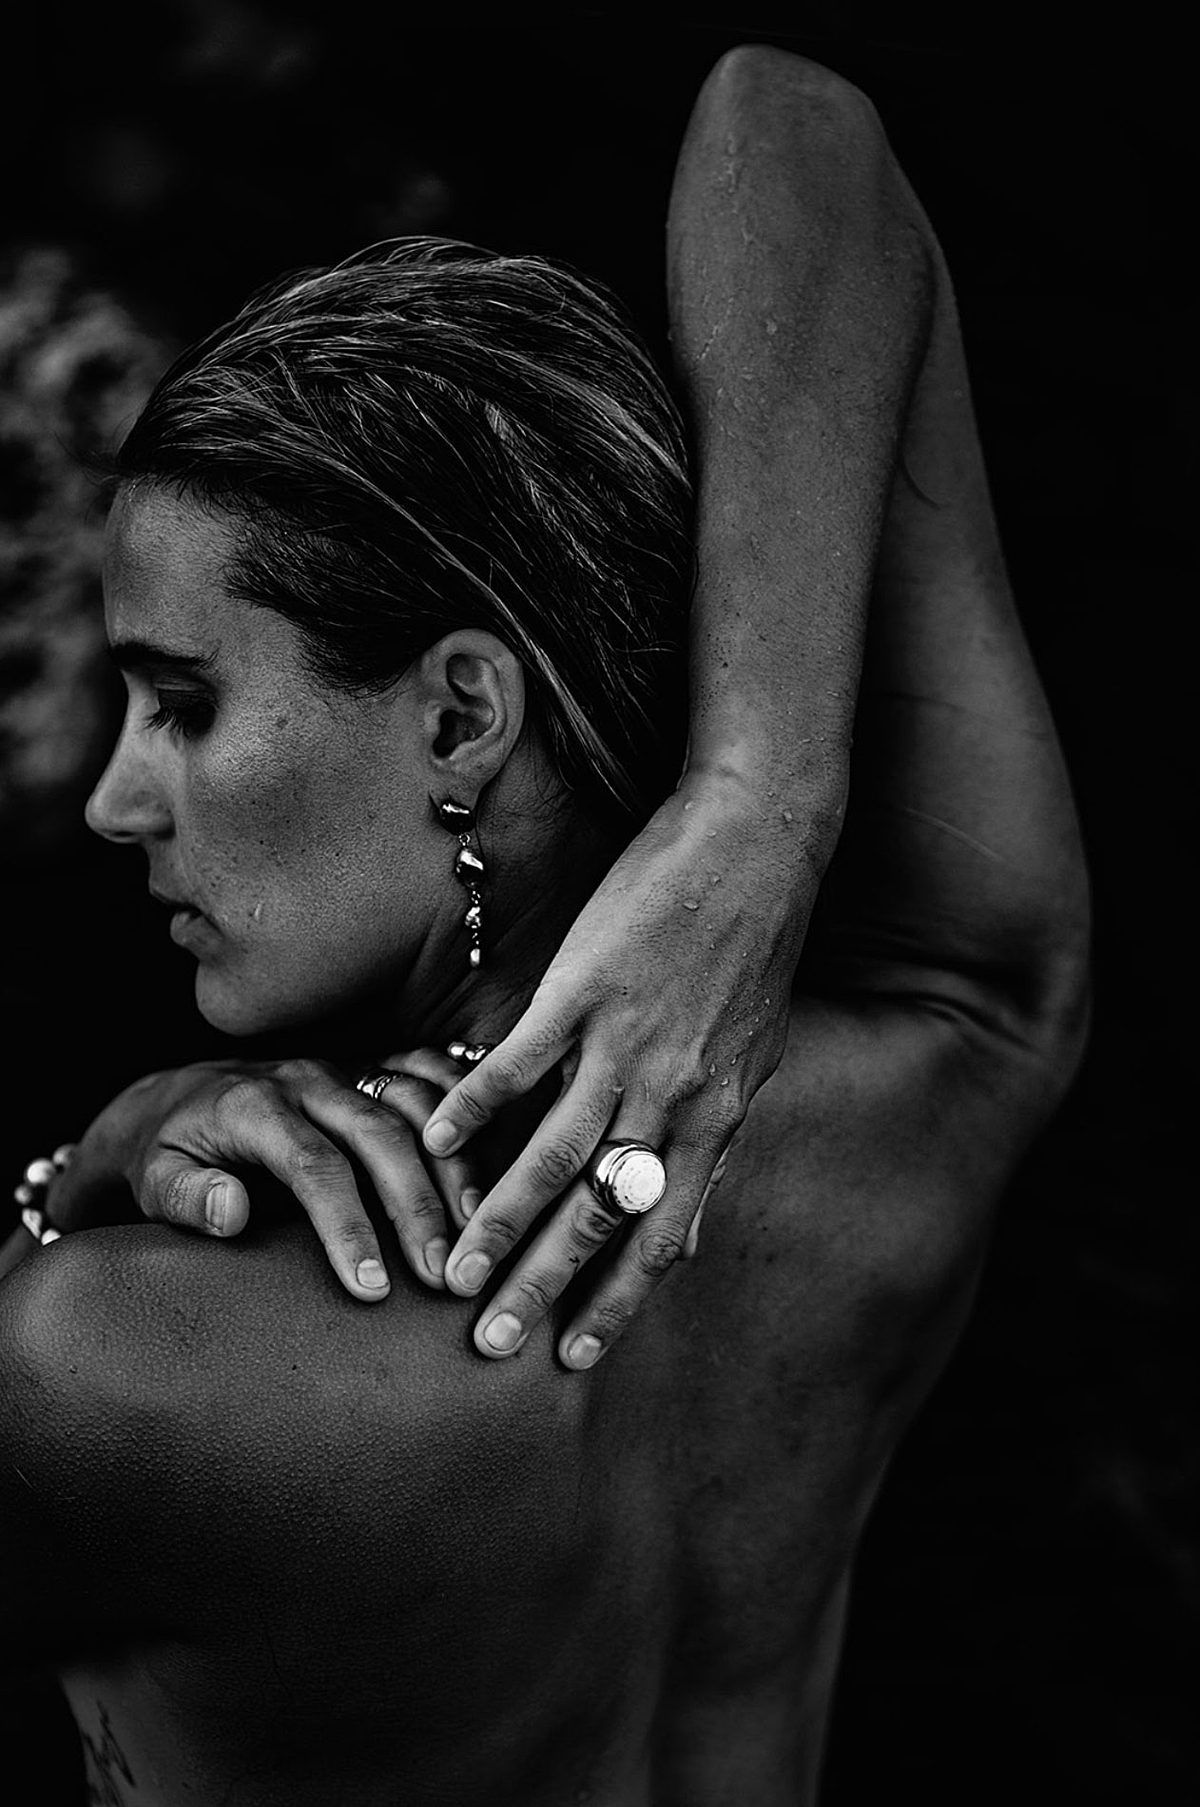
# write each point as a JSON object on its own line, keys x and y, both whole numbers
{"x": 712, "y": 1072}
{"x": 715, "y": 879}
{"x": 724, "y": 1082}
{"x": 787, "y": 815}
{"x": 691, "y": 903}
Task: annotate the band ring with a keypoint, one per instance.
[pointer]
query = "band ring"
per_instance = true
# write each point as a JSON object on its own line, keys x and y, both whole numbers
{"x": 628, "y": 1178}
{"x": 375, "y": 1082}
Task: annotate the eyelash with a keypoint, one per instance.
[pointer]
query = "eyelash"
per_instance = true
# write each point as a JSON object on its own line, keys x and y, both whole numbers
{"x": 186, "y": 716}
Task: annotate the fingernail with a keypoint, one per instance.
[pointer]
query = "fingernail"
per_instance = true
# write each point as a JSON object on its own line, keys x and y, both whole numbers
{"x": 472, "y": 1271}
{"x": 435, "y": 1253}
{"x": 372, "y": 1274}
{"x": 216, "y": 1205}
{"x": 470, "y": 1201}
{"x": 440, "y": 1137}
{"x": 584, "y": 1351}
{"x": 504, "y": 1332}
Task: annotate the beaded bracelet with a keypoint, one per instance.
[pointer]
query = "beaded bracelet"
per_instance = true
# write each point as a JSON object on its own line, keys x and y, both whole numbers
{"x": 31, "y": 1193}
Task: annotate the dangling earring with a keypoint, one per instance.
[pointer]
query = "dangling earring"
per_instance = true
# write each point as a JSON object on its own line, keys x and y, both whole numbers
{"x": 468, "y": 869}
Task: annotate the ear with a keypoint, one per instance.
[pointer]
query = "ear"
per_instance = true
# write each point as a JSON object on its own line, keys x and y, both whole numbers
{"x": 472, "y": 701}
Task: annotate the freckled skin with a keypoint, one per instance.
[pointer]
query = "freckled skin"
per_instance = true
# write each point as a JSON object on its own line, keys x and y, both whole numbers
{"x": 287, "y": 823}
{"x": 298, "y": 820}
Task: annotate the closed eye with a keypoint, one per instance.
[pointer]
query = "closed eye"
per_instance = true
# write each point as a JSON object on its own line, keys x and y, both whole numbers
{"x": 186, "y": 713}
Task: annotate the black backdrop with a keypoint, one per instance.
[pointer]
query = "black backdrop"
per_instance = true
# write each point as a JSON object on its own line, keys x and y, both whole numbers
{"x": 1027, "y": 1589}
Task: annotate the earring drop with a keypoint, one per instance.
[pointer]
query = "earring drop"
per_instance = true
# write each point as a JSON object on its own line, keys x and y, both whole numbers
{"x": 459, "y": 819}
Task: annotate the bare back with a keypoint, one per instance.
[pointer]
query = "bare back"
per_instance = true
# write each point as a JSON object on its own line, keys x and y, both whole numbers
{"x": 327, "y": 1553}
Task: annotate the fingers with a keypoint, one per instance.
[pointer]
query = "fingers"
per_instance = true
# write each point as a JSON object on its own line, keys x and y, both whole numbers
{"x": 426, "y": 1063}
{"x": 183, "y": 1192}
{"x": 648, "y": 1252}
{"x": 511, "y": 1070}
{"x": 304, "y": 1123}
{"x": 691, "y": 1246}
{"x": 380, "y": 1135}
{"x": 454, "y": 1175}
{"x": 551, "y": 1163}
{"x": 579, "y": 1228}
{"x": 648, "y": 1248}
{"x": 252, "y": 1122}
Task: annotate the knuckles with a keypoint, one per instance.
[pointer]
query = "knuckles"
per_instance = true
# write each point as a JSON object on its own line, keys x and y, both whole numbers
{"x": 249, "y": 1095}
{"x": 593, "y": 1224}
{"x": 420, "y": 1208}
{"x": 316, "y": 1161}
{"x": 539, "y": 1291}
{"x": 607, "y": 1319}
{"x": 554, "y": 1165}
{"x": 655, "y": 1252}
{"x": 500, "y": 1232}
{"x": 301, "y": 1074}
{"x": 176, "y": 1199}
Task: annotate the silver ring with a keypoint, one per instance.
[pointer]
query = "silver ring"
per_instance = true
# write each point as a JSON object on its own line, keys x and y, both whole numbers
{"x": 627, "y": 1177}
{"x": 375, "y": 1083}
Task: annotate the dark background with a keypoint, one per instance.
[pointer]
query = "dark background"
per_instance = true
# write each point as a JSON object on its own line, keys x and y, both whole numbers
{"x": 1025, "y": 1614}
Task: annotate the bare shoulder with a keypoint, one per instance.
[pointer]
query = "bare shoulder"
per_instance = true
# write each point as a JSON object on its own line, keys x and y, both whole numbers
{"x": 91, "y": 1345}
{"x": 161, "y": 1388}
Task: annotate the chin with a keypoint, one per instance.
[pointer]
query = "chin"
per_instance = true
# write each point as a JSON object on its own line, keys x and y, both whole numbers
{"x": 235, "y": 1010}
{"x": 243, "y": 1009}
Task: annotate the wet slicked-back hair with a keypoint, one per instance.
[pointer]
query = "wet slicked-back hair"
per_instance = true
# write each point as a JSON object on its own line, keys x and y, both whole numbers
{"x": 430, "y": 436}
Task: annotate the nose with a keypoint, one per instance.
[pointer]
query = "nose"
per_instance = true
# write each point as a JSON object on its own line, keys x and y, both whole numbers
{"x": 129, "y": 803}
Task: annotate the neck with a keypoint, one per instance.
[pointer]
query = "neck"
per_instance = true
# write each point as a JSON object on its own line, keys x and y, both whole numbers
{"x": 532, "y": 895}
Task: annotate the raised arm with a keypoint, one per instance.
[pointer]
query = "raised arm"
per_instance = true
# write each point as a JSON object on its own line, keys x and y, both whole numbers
{"x": 798, "y": 285}
{"x": 799, "y": 276}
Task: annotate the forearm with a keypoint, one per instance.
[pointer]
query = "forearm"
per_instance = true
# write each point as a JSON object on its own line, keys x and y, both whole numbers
{"x": 797, "y": 284}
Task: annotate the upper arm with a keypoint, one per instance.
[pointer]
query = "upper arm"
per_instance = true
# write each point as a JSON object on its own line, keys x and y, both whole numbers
{"x": 44, "y": 1597}
{"x": 73, "y": 1452}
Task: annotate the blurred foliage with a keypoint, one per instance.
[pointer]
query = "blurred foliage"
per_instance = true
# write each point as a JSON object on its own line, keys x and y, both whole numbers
{"x": 74, "y": 369}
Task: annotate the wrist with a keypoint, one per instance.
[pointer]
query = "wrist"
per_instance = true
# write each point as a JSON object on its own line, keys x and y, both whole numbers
{"x": 791, "y": 821}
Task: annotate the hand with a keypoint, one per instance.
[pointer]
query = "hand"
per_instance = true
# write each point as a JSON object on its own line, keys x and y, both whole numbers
{"x": 178, "y": 1141}
{"x": 667, "y": 1006}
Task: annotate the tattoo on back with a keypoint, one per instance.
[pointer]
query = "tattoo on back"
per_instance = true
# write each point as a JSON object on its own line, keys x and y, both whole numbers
{"x": 107, "y": 1765}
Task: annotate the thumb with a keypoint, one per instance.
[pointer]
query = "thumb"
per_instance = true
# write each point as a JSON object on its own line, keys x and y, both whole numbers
{"x": 177, "y": 1190}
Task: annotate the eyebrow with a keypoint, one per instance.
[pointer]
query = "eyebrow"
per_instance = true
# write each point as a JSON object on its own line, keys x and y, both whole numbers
{"x": 143, "y": 655}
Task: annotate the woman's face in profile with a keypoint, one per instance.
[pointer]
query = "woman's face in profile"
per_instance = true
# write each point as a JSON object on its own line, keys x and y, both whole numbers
{"x": 285, "y": 823}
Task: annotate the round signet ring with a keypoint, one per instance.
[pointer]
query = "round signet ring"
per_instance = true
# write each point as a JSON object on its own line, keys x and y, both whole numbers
{"x": 375, "y": 1083}
{"x": 627, "y": 1177}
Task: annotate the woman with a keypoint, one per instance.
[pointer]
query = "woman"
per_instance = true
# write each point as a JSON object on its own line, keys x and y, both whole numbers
{"x": 785, "y": 194}
{"x": 635, "y": 1577}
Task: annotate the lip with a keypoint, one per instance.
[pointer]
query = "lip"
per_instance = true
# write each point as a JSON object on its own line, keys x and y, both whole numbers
{"x": 187, "y": 921}
{"x": 187, "y": 925}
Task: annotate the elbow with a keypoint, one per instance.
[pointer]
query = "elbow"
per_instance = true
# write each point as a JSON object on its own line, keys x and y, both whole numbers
{"x": 1040, "y": 998}
{"x": 749, "y": 83}
{"x": 1059, "y": 1017}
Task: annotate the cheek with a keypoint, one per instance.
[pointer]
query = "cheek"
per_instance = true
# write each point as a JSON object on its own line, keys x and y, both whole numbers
{"x": 292, "y": 846}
